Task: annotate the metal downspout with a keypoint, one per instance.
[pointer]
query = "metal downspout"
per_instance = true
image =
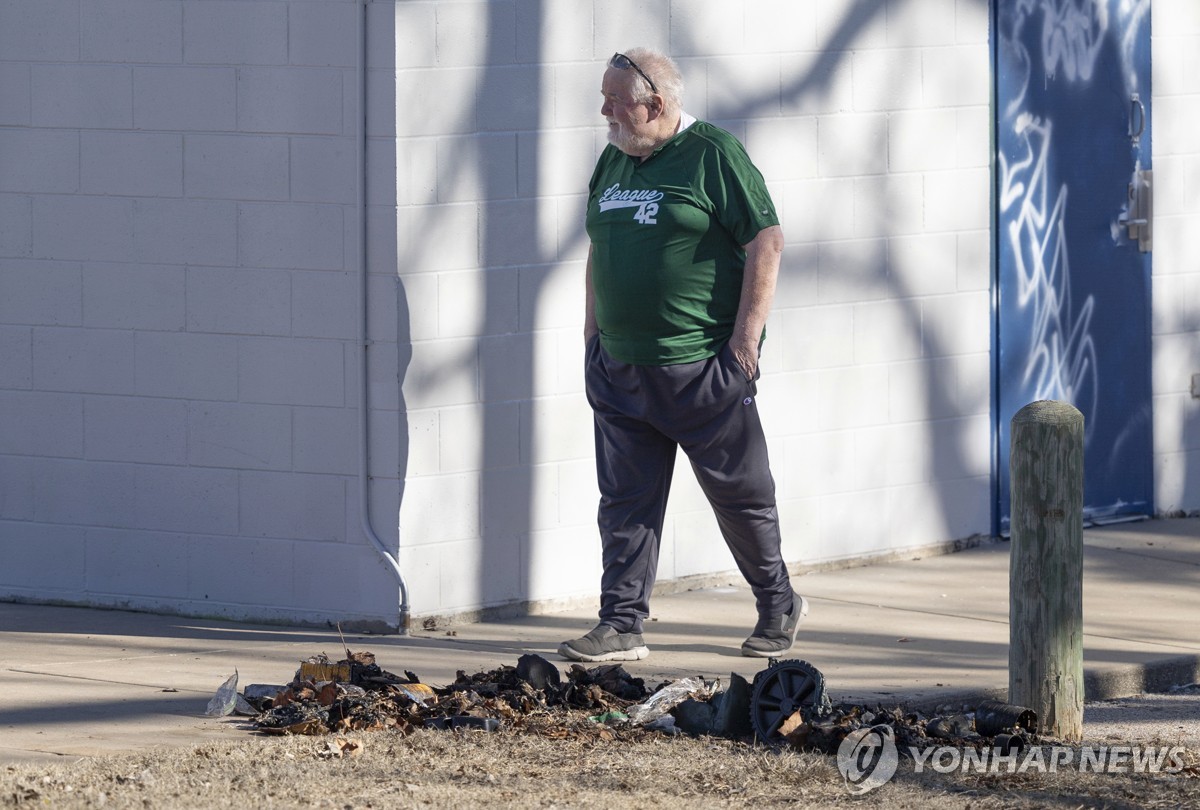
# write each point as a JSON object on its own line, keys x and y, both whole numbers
{"x": 364, "y": 343}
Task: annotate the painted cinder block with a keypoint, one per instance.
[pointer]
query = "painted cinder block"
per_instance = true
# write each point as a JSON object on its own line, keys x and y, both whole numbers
{"x": 852, "y": 144}
{"x": 956, "y": 77}
{"x": 188, "y": 366}
{"x": 957, "y": 200}
{"x": 924, "y": 264}
{"x": 187, "y": 99}
{"x": 236, "y": 167}
{"x": 228, "y": 571}
{"x": 229, "y": 32}
{"x": 479, "y": 437}
{"x": 85, "y": 493}
{"x": 296, "y": 100}
{"x": 885, "y": 331}
{"x": 135, "y": 429}
{"x": 477, "y": 167}
{"x": 323, "y": 34}
{"x": 927, "y": 24}
{"x": 83, "y": 96}
{"x": 507, "y": 367}
{"x": 560, "y": 429}
{"x": 15, "y": 98}
{"x": 39, "y": 161}
{"x": 16, "y": 226}
{"x": 46, "y": 30}
{"x": 555, "y": 162}
{"x": 16, "y": 488}
{"x": 186, "y": 232}
{"x": 708, "y": 28}
{"x": 887, "y": 79}
{"x": 322, "y": 567}
{"x": 440, "y": 508}
{"x": 97, "y": 361}
{"x": 136, "y": 563}
{"x": 852, "y": 271}
{"x": 624, "y": 24}
{"x": 925, "y": 389}
{"x": 783, "y": 149}
{"x": 478, "y": 573}
{"x": 326, "y": 440}
{"x": 324, "y": 305}
{"x": 186, "y": 499}
{"x": 239, "y": 435}
{"x": 39, "y": 423}
{"x": 741, "y": 87}
{"x": 559, "y": 565}
{"x": 242, "y": 301}
{"x": 851, "y": 397}
{"x": 919, "y": 140}
{"x": 426, "y": 90}
{"x": 323, "y": 170}
{"x": 476, "y": 34}
{"x": 131, "y": 31}
{"x": 956, "y": 324}
{"x": 816, "y": 82}
{"x": 286, "y": 371}
{"x": 508, "y": 95}
{"x": 131, "y": 163}
{"x": 850, "y": 24}
{"x": 814, "y": 337}
{"x": 26, "y": 548}
{"x": 133, "y": 296}
{"x": 290, "y": 235}
{"x": 441, "y": 373}
{"x": 41, "y": 293}
{"x": 818, "y": 464}
{"x": 87, "y": 228}
{"x": 16, "y": 357}
{"x": 889, "y": 204}
{"x": 437, "y": 237}
{"x": 573, "y": 34}
{"x": 479, "y": 302}
{"x": 293, "y": 505}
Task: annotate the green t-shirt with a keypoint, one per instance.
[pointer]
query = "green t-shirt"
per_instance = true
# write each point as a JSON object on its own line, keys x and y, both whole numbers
{"x": 667, "y": 237}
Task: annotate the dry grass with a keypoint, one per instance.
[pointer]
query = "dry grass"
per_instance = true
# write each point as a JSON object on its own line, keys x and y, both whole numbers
{"x": 513, "y": 769}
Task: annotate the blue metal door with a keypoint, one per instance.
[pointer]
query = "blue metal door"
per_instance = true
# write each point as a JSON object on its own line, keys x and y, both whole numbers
{"x": 1072, "y": 205}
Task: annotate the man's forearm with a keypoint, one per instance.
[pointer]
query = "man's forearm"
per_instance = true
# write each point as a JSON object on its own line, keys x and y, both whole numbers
{"x": 763, "y": 256}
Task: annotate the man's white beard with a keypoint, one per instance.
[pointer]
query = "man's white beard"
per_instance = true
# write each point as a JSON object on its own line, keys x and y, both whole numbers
{"x": 629, "y": 143}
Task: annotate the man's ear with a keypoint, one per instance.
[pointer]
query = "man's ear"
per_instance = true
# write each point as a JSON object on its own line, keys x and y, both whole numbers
{"x": 655, "y": 106}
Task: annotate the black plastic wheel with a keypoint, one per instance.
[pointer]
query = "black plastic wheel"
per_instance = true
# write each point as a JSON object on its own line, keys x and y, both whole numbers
{"x": 781, "y": 690}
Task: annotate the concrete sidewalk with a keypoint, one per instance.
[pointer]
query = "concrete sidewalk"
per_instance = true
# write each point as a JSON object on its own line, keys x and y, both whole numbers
{"x": 79, "y": 682}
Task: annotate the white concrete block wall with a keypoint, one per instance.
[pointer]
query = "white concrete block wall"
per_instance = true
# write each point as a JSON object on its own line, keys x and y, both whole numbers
{"x": 1175, "y": 26}
{"x": 178, "y": 354}
{"x": 177, "y": 329}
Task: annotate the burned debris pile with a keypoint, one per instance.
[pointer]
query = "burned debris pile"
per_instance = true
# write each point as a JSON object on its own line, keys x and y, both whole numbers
{"x": 355, "y": 694}
{"x": 786, "y": 705}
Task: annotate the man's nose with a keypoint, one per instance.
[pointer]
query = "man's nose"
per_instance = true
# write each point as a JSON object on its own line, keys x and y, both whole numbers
{"x": 606, "y": 108}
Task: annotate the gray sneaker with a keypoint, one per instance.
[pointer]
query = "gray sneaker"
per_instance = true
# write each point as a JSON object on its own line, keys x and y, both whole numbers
{"x": 773, "y": 635}
{"x": 603, "y": 643}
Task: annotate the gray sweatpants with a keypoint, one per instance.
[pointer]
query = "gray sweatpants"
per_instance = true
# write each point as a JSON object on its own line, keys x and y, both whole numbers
{"x": 642, "y": 414}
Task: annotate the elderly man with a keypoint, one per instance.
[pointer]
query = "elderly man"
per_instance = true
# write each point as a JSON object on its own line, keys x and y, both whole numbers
{"x": 685, "y": 251}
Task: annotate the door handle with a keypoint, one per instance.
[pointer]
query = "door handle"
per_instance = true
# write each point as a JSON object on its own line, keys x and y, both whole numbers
{"x": 1137, "y": 114}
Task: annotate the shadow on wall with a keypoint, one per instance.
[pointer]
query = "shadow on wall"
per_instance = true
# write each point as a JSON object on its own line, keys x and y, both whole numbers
{"x": 514, "y": 267}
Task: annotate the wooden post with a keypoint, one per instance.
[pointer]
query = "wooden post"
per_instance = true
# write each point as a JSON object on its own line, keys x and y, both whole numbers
{"x": 1045, "y": 575}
